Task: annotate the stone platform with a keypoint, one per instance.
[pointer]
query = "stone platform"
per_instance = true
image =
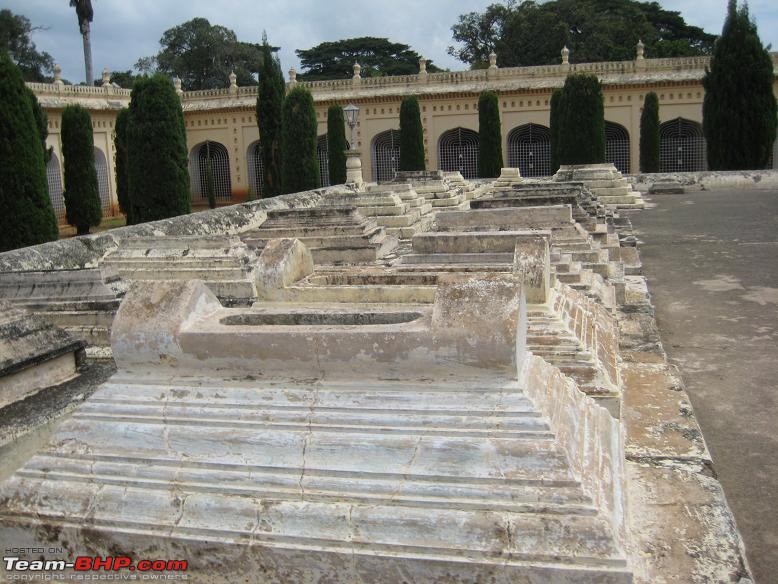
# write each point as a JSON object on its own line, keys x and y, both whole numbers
{"x": 256, "y": 458}
{"x": 34, "y": 354}
{"x": 334, "y": 235}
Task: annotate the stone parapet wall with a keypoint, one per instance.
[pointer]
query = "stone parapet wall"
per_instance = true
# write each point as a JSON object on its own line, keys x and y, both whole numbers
{"x": 591, "y": 438}
{"x": 85, "y": 252}
{"x": 708, "y": 180}
{"x": 592, "y": 325}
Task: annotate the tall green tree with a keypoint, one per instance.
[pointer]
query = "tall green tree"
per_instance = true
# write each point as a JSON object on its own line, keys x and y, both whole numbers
{"x": 336, "y": 144}
{"x": 582, "y": 121}
{"x": 42, "y": 123}
{"x": 411, "y": 135}
{"x": 533, "y": 32}
{"x": 85, "y": 14}
{"x": 16, "y": 40}
{"x": 270, "y": 103}
{"x": 649, "y": 134}
{"x": 739, "y": 109}
{"x": 376, "y": 56}
{"x": 203, "y": 55}
{"x": 489, "y": 136}
{"x": 557, "y": 99}
{"x": 27, "y": 217}
{"x": 82, "y": 195}
{"x": 156, "y": 152}
{"x": 298, "y": 144}
{"x": 122, "y": 180}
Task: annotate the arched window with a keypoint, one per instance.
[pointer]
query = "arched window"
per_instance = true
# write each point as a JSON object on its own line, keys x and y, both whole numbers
{"x": 617, "y": 146}
{"x": 529, "y": 150}
{"x": 220, "y": 164}
{"x": 103, "y": 184}
{"x": 458, "y": 150}
{"x": 386, "y": 155}
{"x": 54, "y": 176}
{"x": 322, "y": 151}
{"x": 256, "y": 170}
{"x": 681, "y": 146}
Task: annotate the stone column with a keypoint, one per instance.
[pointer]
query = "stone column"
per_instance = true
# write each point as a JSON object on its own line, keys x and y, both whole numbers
{"x": 354, "y": 168}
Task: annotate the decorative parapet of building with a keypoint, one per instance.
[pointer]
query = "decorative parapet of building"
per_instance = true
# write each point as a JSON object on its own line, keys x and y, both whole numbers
{"x": 640, "y": 71}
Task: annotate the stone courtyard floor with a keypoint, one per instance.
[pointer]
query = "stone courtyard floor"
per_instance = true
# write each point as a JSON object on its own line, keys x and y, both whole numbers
{"x": 711, "y": 260}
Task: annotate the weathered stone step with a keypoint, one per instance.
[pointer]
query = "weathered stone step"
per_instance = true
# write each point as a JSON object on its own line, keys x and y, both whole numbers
{"x": 348, "y": 538}
{"x": 457, "y": 258}
{"x": 405, "y": 490}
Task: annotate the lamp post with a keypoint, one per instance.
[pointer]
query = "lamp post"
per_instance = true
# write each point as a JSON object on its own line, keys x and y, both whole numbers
{"x": 352, "y": 113}
{"x": 353, "y": 160}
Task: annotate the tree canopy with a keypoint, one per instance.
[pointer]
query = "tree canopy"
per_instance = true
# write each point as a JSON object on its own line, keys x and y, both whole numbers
{"x": 157, "y": 169}
{"x": 739, "y": 110}
{"x": 533, "y": 33}
{"x": 82, "y": 195}
{"x": 300, "y": 164}
{"x": 581, "y": 121}
{"x": 270, "y": 103}
{"x": 203, "y": 55}
{"x": 15, "y": 40}
{"x": 26, "y": 216}
{"x": 376, "y": 56}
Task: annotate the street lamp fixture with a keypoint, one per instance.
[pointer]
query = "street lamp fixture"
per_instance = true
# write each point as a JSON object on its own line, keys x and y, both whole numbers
{"x": 352, "y": 112}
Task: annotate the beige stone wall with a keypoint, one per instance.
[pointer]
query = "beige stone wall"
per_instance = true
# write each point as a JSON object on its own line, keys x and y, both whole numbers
{"x": 447, "y": 100}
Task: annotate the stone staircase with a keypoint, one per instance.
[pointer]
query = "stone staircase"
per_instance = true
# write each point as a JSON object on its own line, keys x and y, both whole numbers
{"x": 334, "y": 235}
{"x": 547, "y": 337}
{"x": 330, "y": 481}
{"x": 224, "y": 263}
{"x": 83, "y": 302}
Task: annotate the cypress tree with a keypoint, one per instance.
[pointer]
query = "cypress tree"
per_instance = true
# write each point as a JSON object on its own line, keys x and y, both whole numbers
{"x": 82, "y": 195}
{"x": 336, "y": 144}
{"x": 299, "y": 162}
{"x": 270, "y": 103}
{"x": 739, "y": 109}
{"x": 210, "y": 186}
{"x": 649, "y": 134}
{"x": 27, "y": 217}
{"x": 156, "y": 152}
{"x": 120, "y": 145}
{"x": 42, "y": 123}
{"x": 557, "y": 99}
{"x": 582, "y": 121}
{"x": 489, "y": 136}
{"x": 411, "y": 136}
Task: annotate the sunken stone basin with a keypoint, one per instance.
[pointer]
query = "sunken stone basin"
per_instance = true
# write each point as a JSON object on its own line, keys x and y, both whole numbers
{"x": 319, "y": 318}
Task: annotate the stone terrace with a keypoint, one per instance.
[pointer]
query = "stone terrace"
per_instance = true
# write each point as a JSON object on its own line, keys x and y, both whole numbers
{"x": 458, "y": 404}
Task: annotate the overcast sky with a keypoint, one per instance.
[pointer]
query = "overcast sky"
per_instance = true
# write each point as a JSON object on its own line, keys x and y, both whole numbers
{"x": 124, "y": 31}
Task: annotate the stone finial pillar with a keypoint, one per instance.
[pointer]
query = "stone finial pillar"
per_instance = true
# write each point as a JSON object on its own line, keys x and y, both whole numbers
{"x": 177, "y": 85}
{"x": 58, "y": 75}
{"x": 640, "y": 59}
{"x": 565, "y": 58}
{"x": 354, "y": 168}
{"x": 492, "y": 70}
{"x": 422, "y": 66}
{"x": 357, "y": 78}
{"x": 106, "y": 77}
{"x": 233, "y": 83}
{"x": 492, "y": 60}
{"x": 292, "y": 75}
